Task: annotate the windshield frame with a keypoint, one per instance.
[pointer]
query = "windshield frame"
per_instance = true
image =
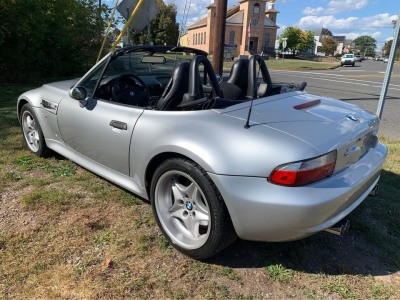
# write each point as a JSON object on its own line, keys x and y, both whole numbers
{"x": 126, "y": 50}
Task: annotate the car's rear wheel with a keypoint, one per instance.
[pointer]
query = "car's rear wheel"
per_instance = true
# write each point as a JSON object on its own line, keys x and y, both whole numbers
{"x": 32, "y": 131}
{"x": 190, "y": 210}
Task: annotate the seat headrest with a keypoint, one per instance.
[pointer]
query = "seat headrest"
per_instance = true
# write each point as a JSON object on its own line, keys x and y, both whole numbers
{"x": 176, "y": 87}
{"x": 239, "y": 74}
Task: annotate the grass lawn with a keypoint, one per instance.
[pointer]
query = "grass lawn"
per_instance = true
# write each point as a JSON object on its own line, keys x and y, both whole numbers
{"x": 66, "y": 233}
{"x": 294, "y": 64}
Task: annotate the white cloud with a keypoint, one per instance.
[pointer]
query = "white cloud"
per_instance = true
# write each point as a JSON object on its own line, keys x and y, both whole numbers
{"x": 350, "y": 35}
{"x": 377, "y": 34}
{"x": 389, "y": 39}
{"x": 350, "y": 24}
{"x": 336, "y": 7}
{"x": 281, "y": 28}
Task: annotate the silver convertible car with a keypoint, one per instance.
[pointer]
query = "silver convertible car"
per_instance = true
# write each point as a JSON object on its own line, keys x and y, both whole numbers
{"x": 242, "y": 157}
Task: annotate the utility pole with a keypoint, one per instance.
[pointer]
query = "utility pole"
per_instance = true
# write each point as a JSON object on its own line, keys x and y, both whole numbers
{"x": 148, "y": 26}
{"x": 219, "y": 39}
{"x": 99, "y": 3}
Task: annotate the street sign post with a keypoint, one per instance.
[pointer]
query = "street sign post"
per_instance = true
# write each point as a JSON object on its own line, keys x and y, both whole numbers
{"x": 389, "y": 69}
{"x": 145, "y": 13}
{"x": 284, "y": 45}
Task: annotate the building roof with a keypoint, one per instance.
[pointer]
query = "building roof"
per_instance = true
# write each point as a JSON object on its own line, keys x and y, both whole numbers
{"x": 317, "y": 32}
{"x": 339, "y": 38}
{"x": 272, "y": 11}
{"x": 234, "y": 16}
{"x": 229, "y": 12}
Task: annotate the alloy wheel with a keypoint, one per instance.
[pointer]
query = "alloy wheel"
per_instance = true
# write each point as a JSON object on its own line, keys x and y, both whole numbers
{"x": 30, "y": 129}
{"x": 182, "y": 209}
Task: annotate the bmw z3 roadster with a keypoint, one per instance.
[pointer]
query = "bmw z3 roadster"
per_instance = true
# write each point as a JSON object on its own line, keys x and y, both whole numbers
{"x": 218, "y": 159}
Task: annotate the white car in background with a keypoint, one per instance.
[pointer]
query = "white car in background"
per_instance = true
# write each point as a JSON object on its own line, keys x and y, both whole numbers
{"x": 348, "y": 59}
{"x": 385, "y": 59}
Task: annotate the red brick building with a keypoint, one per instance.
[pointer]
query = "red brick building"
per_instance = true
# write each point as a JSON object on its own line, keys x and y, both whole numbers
{"x": 260, "y": 14}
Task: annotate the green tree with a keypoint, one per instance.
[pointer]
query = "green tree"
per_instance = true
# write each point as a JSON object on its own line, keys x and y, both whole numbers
{"x": 387, "y": 47}
{"x": 365, "y": 44}
{"x": 297, "y": 39}
{"x": 163, "y": 28}
{"x": 329, "y": 45}
{"x": 45, "y": 38}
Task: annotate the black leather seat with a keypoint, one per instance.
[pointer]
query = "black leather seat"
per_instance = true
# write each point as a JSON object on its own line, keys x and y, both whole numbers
{"x": 177, "y": 86}
{"x": 240, "y": 74}
{"x": 235, "y": 87}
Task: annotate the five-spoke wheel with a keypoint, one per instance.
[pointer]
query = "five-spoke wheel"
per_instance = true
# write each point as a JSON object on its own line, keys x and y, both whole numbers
{"x": 33, "y": 132}
{"x": 182, "y": 209}
{"x": 30, "y": 130}
{"x": 189, "y": 209}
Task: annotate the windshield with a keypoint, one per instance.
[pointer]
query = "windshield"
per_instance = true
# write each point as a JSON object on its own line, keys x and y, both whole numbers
{"x": 146, "y": 63}
{"x": 348, "y": 56}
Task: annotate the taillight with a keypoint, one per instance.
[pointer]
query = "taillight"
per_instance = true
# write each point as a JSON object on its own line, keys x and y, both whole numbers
{"x": 304, "y": 172}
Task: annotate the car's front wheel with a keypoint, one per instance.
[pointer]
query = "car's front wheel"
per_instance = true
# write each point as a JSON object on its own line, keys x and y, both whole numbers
{"x": 32, "y": 131}
{"x": 190, "y": 210}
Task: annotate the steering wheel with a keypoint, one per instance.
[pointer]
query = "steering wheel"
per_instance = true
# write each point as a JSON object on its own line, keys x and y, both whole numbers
{"x": 137, "y": 95}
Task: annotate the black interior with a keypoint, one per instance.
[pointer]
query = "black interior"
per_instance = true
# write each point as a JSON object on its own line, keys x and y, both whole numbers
{"x": 177, "y": 86}
{"x": 190, "y": 87}
{"x": 239, "y": 75}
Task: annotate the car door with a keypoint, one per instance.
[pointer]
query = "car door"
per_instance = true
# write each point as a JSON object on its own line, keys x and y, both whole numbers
{"x": 101, "y": 131}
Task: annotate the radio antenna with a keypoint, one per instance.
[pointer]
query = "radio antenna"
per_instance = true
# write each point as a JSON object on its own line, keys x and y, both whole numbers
{"x": 247, "y": 125}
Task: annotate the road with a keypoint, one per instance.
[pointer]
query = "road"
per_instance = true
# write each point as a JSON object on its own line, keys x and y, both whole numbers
{"x": 360, "y": 85}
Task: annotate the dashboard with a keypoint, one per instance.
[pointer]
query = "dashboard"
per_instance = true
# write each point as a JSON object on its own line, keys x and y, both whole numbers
{"x": 156, "y": 85}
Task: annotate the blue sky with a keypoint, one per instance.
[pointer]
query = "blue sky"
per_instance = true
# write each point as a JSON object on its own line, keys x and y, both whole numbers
{"x": 352, "y": 18}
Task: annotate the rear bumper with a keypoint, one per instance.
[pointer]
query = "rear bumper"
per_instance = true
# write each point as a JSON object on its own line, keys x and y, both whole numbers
{"x": 263, "y": 211}
{"x": 348, "y": 62}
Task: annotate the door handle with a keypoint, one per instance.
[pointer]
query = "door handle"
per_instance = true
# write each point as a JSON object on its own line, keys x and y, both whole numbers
{"x": 118, "y": 125}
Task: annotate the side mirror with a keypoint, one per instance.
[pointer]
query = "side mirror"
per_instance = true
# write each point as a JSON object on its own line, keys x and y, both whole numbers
{"x": 79, "y": 93}
{"x": 219, "y": 78}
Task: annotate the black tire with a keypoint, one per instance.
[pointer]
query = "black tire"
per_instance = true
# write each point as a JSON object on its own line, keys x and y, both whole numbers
{"x": 354, "y": 64}
{"x": 222, "y": 232}
{"x": 43, "y": 150}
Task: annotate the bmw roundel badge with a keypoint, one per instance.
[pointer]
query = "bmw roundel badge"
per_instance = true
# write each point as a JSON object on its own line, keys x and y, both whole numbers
{"x": 189, "y": 206}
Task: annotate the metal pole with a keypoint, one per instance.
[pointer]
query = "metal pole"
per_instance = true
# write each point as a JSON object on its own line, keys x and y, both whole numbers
{"x": 389, "y": 69}
{"x": 128, "y": 29}
{"x": 148, "y": 26}
{"x": 220, "y": 24}
{"x": 248, "y": 38}
{"x": 107, "y": 31}
{"x": 283, "y": 58}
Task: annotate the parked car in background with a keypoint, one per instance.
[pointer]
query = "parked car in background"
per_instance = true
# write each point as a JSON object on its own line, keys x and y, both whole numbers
{"x": 358, "y": 58}
{"x": 386, "y": 59}
{"x": 348, "y": 59}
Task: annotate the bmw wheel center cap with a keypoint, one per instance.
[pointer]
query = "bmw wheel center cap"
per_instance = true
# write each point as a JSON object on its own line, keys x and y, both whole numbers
{"x": 189, "y": 206}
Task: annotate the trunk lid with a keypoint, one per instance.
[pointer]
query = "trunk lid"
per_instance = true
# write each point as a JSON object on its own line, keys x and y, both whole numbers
{"x": 328, "y": 125}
